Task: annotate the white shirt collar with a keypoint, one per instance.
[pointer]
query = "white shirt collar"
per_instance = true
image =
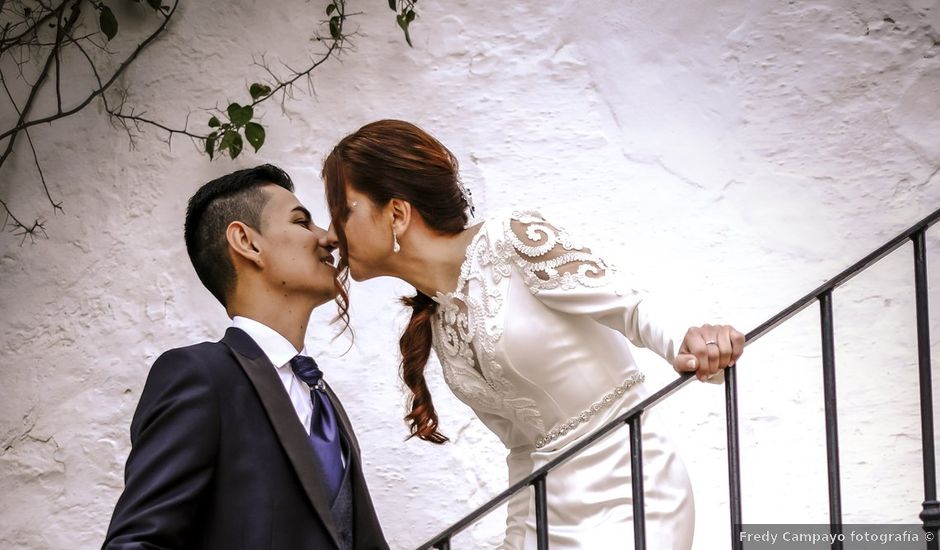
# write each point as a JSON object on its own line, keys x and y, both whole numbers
{"x": 277, "y": 348}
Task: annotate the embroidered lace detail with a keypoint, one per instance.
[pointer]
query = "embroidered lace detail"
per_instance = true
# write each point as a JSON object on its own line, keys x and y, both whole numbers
{"x": 551, "y": 258}
{"x": 466, "y": 328}
{"x": 590, "y": 412}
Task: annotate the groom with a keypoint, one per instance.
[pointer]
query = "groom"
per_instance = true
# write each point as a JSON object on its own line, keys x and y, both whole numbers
{"x": 239, "y": 444}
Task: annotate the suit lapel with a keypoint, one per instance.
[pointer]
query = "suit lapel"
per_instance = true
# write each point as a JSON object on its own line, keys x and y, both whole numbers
{"x": 283, "y": 418}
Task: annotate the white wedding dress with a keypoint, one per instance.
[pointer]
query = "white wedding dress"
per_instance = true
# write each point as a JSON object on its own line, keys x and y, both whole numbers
{"x": 532, "y": 339}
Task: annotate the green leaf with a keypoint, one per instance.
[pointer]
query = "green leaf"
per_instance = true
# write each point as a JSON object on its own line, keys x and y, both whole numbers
{"x": 227, "y": 138}
{"x": 254, "y": 132}
{"x": 403, "y": 23}
{"x": 232, "y": 141}
{"x": 214, "y": 122}
{"x": 155, "y": 4}
{"x": 330, "y": 9}
{"x": 107, "y": 22}
{"x": 334, "y": 27}
{"x": 258, "y": 90}
{"x": 236, "y": 147}
{"x": 410, "y": 16}
{"x": 233, "y": 110}
{"x": 391, "y": 5}
{"x": 240, "y": 115}
{"x": 210, "y": 144}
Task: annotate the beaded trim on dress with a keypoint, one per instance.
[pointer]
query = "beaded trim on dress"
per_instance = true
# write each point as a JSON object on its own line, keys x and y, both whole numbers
{"x": 590, "y": 412}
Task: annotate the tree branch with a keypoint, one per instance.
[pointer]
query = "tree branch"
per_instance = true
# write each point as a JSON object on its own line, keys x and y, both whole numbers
{"x": 9, "y": 42}
{"x": 32, "y": 95}
{"x": 58, "y": 60}
{"x": 20, "y": 229}
{"x": 101, "y": 90}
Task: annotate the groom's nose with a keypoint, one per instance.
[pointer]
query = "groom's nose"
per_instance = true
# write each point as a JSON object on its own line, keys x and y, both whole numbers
{"x": 329, "y": 239}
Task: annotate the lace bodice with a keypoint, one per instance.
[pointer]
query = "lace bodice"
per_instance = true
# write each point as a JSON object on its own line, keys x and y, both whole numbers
{"x": 526, "y": 337}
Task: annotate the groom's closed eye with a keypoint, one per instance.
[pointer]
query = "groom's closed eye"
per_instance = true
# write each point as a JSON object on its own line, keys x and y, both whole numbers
{"x": 302, "y": 216}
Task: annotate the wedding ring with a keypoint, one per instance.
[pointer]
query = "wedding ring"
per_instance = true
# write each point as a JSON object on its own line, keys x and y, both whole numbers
{"x": 711, "y": 343}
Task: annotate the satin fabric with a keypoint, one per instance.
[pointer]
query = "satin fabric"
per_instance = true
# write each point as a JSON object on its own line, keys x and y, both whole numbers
{"x": 534, "y": 339}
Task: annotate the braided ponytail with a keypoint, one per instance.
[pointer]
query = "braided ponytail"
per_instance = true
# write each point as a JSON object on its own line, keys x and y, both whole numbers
{"x": 415, "y": 346}
{"x": 395, "y": 159}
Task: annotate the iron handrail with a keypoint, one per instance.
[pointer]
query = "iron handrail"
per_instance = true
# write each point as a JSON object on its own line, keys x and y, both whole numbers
{"x": 537, "y": 477}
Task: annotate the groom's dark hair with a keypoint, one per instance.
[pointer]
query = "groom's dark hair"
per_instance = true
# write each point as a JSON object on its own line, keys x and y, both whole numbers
{"x": 234, "y": 197}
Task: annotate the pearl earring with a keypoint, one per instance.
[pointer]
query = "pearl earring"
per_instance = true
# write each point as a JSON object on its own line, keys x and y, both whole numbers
{"x": 396, "y": 248}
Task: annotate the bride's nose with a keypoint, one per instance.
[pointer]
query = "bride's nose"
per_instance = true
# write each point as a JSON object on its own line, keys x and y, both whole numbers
{"x": 329, "y": 240}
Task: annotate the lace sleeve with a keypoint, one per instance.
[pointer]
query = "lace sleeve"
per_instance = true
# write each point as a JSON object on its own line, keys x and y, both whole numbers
{"x": 568, "y": 277}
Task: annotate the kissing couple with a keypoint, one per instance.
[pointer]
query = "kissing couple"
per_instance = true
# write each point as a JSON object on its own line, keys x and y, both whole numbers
{"x": 242, "y": 444}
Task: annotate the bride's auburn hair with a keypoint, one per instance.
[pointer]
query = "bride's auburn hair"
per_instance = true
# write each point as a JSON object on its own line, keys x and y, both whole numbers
{"x": 393, "y": 159}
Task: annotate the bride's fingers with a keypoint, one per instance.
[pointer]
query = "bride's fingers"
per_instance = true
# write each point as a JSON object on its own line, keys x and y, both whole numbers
{"x": 685, "y": 362}
{"x": 712, "y": 344}
{"x": 725, "y": 347}
{"x": 737, "y": 342}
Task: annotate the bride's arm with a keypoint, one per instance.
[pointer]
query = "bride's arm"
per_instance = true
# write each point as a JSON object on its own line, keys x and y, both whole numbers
{"x": 567, "y": 276}
{"x": 519, "y": 461}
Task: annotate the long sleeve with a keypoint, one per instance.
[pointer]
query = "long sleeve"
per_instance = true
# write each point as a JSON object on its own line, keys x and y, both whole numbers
{"x": 174, "y": 439}
{"x": 568, "y": 277}
{"x": 519, "y": 461}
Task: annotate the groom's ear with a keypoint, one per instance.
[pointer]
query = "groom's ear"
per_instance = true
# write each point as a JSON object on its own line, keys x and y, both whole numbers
{"x": 242, "y": 240}
{"x": 401, "y": 214}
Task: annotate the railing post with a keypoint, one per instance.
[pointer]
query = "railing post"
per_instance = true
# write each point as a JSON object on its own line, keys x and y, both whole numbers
{"x": 734, "y": 460}
{"x": 541, "y": 513}
{"x": 931, "y": 508}
{"x": 636, "y": 467}
{"x": 832, "y": 423}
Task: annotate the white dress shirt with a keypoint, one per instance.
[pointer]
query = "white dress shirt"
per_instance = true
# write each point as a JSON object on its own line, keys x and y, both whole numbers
{"x": 280, "y": 351}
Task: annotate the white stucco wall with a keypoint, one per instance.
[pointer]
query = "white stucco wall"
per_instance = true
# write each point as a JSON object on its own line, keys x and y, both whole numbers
{"x": 730, "y": 155}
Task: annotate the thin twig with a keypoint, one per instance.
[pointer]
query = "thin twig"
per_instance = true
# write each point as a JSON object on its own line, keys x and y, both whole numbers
{"x": 19, "y": 228}
{"x": 58, "y": 60}
{"x": 32, "y": 96}
{"x": 120, "y": 70}
{"x": 56, "y": 206}
{"x": 17, "y": 40}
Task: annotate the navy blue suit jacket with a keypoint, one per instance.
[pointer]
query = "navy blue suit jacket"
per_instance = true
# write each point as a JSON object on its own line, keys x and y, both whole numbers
{"x": 219, "y": 460}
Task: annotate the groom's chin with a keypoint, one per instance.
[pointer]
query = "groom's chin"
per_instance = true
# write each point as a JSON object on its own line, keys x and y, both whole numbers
{"x": 325, "y": 298}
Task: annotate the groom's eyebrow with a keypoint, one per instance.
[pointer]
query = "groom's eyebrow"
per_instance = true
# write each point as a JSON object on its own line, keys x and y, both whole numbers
{"x": 303, "y": 211}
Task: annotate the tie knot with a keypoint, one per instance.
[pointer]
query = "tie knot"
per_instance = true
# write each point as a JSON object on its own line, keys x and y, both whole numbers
{"x": 307, "y": 370}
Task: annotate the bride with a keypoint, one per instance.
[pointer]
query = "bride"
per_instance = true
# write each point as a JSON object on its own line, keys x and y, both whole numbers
{"x": 529, "y": 325}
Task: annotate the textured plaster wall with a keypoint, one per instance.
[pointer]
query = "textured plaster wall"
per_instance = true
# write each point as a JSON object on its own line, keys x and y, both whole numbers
{"x": 730, "y": 155}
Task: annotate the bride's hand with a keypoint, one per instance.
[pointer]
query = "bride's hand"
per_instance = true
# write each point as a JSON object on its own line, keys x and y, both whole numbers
{"x": 708, "y": 349}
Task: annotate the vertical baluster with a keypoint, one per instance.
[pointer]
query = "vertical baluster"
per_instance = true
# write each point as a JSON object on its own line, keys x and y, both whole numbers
{"x": 443, "y": 545}
{"x": 734, "y": 460}
{"x": 541, "y": 514}
{"x": 636, "y": 465}
{"x": 832, "y": 424}
{"x": 931, "y": 512}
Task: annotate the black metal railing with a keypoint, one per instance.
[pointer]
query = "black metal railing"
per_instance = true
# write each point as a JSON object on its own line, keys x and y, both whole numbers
{"x": 930, "y": 514}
